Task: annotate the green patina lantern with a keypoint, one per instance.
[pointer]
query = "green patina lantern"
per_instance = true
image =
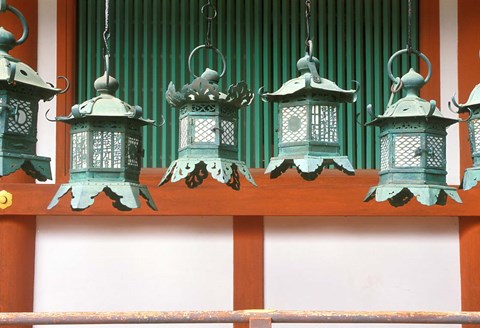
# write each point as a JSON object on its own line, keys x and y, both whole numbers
{"x": 208, "y": 142}
{"x": 21, "y": 88}
{"x": 106, "y": 147}
{"x": 106, "y": 150}
{"x": 208, "y": 132}
{"x": 308, "y": 136}
{"x": 472, "y": 106}
{"x": 308, "y": 123}
{"x": 412, "y": 145}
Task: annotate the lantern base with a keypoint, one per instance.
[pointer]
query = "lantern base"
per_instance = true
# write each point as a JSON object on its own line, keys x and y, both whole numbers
{"x": 37, "y": 167}
{"x": 194, "y": 171}
{"x": 124, "y": 194}
{"x": 470, "y": 178}
{"x": 309, "y": 167}
{"x": 399, "y": 195}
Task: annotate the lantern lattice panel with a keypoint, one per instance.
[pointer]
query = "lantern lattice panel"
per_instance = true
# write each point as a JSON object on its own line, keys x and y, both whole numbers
{"x": 79, "y": 150}
{"x": 132, "y": 152}
{"x": 21, "y": 122}
{"x": 228, "y": 133}
{"x": 183, "y": 132}
{"x": 324, "y": 123}
{"x": 405, "y": 151}
{"x": 204, "y": 130}
{"x": 435, "y": 145}
{"x": 294, "y": 124}
{"x": 475, "y": 137}
{"x": 384, "y": 153}
{"x": 107, "y": 149}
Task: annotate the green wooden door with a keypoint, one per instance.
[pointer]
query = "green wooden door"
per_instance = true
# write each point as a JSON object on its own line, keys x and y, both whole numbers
{"x": 262, "y": 41}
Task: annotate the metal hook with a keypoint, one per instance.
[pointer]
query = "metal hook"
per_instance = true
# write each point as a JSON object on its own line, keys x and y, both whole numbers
{"x": 161, "y": 124}
{"x": 454, "y": 101}
{"x": 357, "y": 121}
{"x": 47, "y": 118}
{"x": 371, "y": 112}
{"x": 261, "y": 94}
{"x": 68, "y": 84}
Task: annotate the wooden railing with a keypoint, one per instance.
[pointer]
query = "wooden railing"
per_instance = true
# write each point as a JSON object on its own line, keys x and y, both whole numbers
{"x": 255, "y": 318}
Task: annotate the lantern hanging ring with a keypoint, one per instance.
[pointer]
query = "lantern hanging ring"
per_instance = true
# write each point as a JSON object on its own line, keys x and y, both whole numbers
{"x": 224, "y": 63}
{"x": 205, "y": 11}
{"x": 4, "y": 7}
{"x": 401, "y": 52}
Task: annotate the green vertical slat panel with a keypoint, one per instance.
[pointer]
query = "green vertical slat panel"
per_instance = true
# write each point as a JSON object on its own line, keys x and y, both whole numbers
{"x": 297, "y": 17}
{"x": 286, "y": 58}
{"x": 319, "y": 36}
{"x": 404, "y": 59}
{"x": 240, "y": 67}
{"x": 166, "y": 78}
{"x": 396, "y": 28}
{"x": 118, "y": 28}
{"x": 387, "y": 52}
{"x": 147, "y": 82}
{"x": 277, "y": 71}
{"x": 99, "y": 64}
{"x": 360, "y": 76}
{"x": 247, "y": 147}
{"x": 340, "y": 71}
{"x": 175, "y": 63}
{"x": 267, "y": 134}
{"x": 369, "y": 82}
{"x": 415, "y": 59}
{"x": 92, "y": 35}
{"x": 378, "y": 87}
{"x": 262, "y": 41}
{"x": 257, "y": 117}
{"x": 350, "y": 75}
{"x": 156, "y": 84}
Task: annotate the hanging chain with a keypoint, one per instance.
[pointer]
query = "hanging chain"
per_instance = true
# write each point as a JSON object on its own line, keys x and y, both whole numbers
{"x": 308, "y": 15}
{"x": 409, "y": 31}
{"x": 205, "y": 11}
{"x": 106, "y": 38}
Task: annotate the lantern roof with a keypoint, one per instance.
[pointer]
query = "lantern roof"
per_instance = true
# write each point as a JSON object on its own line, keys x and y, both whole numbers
{"x": 204, "y": 89}
{"x": 105, "y": 105}
{"x": 308, "y": 84}
{"x": 412, "y": 105}
{"x": 15, "y": 72}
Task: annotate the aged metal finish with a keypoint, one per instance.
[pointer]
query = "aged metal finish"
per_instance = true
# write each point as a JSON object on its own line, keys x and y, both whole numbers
{"x": 208, "y": 141}
{"x": 308, "y": 120}
{"x": 6, "y": 199}
{"x": 106, "y": 146}
{"x": 106, "y": 151}
{"x": 472, "y": 106}
{"x": 208, "y": 132}
{"x": 239, "y": 317}
{"x": 412, "y": 143}
{"x": 21, "y": 88}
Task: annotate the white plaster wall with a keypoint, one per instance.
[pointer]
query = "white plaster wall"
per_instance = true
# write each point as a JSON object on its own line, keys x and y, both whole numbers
{"x": 134, "y": 264}
{"x": 449, "y": 83}
{"x": 47, "y": 68}
{"x": 369, "y": 264}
